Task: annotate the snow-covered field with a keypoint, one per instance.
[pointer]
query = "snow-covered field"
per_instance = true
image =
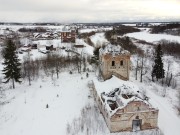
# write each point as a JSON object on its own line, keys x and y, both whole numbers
{"x": 145, "y": 35}
{"x": 87, "y": 30}
{"x": 25, "y": 109}
{"x": 130, "y": 24}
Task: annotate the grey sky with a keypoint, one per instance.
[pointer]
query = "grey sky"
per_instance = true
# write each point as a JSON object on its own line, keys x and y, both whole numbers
{"x": 89, "y": 10}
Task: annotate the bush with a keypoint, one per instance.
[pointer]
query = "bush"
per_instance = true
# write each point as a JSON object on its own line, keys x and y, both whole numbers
{"x": 144, "y": 42}
{"x": 89, "y": 42}
{"x": 127, "y": 44}
{"x": 162, "y": 29}
{"x": 86, "y": 35}
{"x": 38, "y": 29}
{"x": 170, "y": 47}
{"x": 120, "y": 30}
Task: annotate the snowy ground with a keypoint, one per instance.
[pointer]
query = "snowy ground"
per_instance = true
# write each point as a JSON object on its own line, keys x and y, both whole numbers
{"x": 168, "y": 121}
{"x": 23, "y": 110}
{"x": 98, "y": 39}
{"x": 41, "y": 44}
{"x": 130, "y": 24}
{"x": 87, "y": 30}
{"x": 145, "y": 35}
{"x": 71, "y": 109}
{"x": 163, "y": 97}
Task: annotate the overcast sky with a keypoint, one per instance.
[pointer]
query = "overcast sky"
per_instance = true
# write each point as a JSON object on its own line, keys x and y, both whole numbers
{"x": 68, "y": 11}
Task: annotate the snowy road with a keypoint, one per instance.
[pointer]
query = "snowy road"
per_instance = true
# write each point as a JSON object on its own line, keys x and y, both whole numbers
{"x": 169, "y": 123}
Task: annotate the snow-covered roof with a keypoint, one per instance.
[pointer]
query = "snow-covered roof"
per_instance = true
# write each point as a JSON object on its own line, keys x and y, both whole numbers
{"x": 25, "y": 49}
{"x": 109, "y": 85}
{"x": 36, "y": 34}
{"x": 45, "y": 35}
{"x": 119, "y": 91}
{"x": 65, "y": 29}
{"x": 42, "y": 48}
{"x": 113, "y": 49}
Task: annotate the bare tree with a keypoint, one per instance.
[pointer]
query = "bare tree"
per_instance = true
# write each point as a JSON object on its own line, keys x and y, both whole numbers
{"x": 174, "y": 82}
{"x": 58, "y": 61}
{"x": 1, "y": 90}
{"x": 143, "y": 71}
{"x": 169, "y": 82}
{"x": 77, "y": 61}
{"x": 16, "y": 40}
{"x": 137, "y": 68}
{"x": 168, "y": 78}
{"x": 84, "y": 64}
{"x": 28, "y": 68}
{"x": 164, "y": 91}
{"x": 178, "y": 106}
{"x": 1, "y": 53}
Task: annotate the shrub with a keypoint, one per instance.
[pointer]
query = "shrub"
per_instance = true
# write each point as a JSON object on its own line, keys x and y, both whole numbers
{"x": 127, "y": 44}
{"x": 170, "y": 47}
{"x": 163, "y": 28}
{"x": 89, "y": 42}
{"x": 86, "y": 35}
{"x": 120, "y": 30}
{"x": 38, "y": 29}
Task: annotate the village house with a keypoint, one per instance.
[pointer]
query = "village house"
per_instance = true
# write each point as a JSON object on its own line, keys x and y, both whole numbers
{"x": 113, "y": 60}
{"x": 34, "y": 46}
{"x": 68, "y": 36}
{"x": 50, "y": 47}
{"x": 123, "y": 106}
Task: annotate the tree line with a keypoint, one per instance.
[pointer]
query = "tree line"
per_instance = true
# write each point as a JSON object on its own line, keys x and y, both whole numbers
{"x": 38, "y": 29}
{"x": 170, "y": 47}
{"x": 163, "y": 28}
{"x": 120, "y": 30}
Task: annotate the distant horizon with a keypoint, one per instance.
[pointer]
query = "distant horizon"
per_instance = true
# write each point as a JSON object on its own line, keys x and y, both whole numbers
{"x": 85, "y": 11}
{"x": 123, "y": 22}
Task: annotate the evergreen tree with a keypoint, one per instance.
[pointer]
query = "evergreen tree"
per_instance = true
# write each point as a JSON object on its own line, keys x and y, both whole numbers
{"x": 11, "y": 63}
{"x": 158, "y": 70}
{"x": 95, "y": 58}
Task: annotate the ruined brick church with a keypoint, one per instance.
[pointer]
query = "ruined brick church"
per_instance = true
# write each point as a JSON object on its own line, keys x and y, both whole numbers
{"x": 123, "y": 106}
{"x": 114, "y": 61}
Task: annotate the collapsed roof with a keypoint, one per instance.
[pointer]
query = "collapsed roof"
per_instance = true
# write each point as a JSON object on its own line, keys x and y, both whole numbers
{"x": 116, "y": 94}
{"x": 113, "y": 49}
